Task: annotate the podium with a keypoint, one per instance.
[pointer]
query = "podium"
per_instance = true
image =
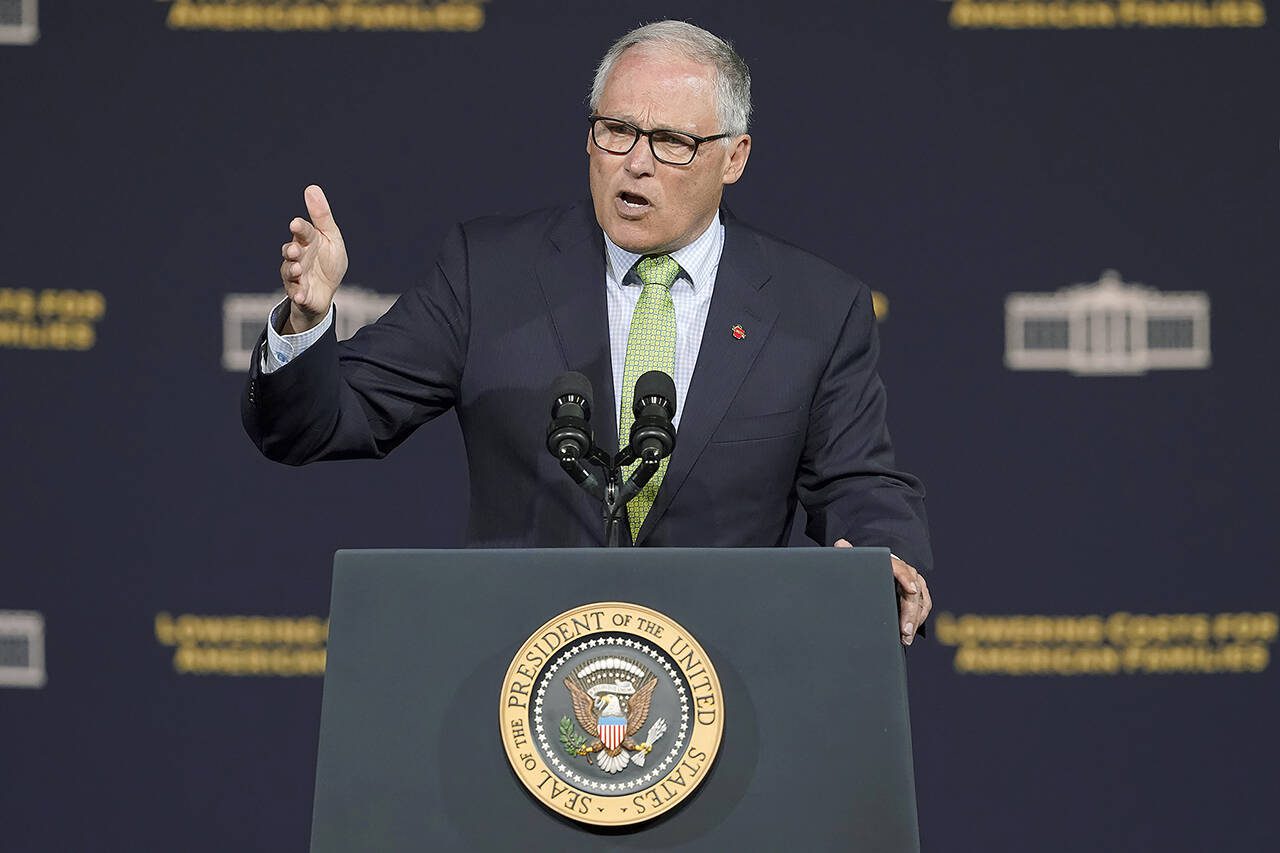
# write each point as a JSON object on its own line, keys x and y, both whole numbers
{"x": 815, "y": 752}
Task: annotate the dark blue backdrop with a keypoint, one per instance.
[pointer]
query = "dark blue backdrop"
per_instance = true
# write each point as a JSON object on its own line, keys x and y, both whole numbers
{"x": 948, "y": 166}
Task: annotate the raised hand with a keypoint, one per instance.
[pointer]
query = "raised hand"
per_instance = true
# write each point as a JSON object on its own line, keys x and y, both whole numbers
{"x": 315, "y": 261}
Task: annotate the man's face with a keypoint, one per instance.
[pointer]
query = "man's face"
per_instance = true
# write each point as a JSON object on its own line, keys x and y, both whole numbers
{"x": 645, "y": 206}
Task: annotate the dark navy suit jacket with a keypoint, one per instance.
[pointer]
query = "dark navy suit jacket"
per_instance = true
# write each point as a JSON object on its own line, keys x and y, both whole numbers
{"x": 792, "y": 411}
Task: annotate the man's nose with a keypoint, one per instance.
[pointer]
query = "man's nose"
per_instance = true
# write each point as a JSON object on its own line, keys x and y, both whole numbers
{"x": 639, "y": 160}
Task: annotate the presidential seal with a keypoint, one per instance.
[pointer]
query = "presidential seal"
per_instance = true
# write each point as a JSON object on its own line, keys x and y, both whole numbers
{"x": 611, "y": 714}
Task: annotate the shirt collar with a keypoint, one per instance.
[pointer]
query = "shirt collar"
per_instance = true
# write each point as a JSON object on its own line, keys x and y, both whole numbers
{"x": 698, "y": 260}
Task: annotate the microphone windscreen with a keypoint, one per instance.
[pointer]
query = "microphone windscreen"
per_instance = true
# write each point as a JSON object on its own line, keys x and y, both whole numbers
{"x": 573, "y": 383}
{"x": 655, "y": 383}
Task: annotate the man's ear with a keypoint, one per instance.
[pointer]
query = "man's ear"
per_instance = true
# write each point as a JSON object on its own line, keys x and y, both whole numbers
{"x": 737, "y": 161}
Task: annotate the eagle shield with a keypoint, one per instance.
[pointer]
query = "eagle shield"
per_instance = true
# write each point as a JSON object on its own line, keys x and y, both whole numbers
{"x": 613, "y": 730}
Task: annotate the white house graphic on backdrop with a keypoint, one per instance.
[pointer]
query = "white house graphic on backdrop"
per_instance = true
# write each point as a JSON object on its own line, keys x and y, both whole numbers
{"x": 18, "y": 23}
{"x": 244, "y": 316}
{"x": 21, "y": 648}
{"x": 1107, "y": 327}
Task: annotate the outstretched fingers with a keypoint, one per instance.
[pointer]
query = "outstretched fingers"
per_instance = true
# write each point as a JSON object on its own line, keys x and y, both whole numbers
{"x": 321, "y": 214}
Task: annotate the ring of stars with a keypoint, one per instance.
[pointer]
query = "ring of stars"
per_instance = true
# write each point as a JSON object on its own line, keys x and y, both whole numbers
{"x": 652, "y": 774}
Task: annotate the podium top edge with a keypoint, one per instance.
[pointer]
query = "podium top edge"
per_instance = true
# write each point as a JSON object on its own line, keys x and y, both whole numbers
{"x": 870, "y": 549}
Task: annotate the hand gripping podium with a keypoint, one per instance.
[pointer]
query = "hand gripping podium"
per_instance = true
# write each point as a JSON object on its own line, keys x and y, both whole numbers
{"x": 437, "y": 660}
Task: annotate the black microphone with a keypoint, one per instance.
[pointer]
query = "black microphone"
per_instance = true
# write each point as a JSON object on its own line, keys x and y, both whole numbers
{"x": 652, "y": 435}
{"x": 569, "y": 435}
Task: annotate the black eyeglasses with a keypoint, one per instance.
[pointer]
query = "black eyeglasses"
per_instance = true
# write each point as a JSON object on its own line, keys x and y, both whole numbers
{"x": 673, "y": 147}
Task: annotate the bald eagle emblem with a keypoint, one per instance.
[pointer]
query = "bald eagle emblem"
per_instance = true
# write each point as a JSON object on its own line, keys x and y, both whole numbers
{"x": 611, "y": 698}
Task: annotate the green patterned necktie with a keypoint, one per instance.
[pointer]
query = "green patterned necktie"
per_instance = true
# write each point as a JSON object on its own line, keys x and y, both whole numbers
{"x": 651, "y": 345}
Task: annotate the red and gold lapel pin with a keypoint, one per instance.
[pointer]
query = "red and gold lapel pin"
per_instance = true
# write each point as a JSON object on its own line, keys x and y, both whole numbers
{"x": 738, "y": 332}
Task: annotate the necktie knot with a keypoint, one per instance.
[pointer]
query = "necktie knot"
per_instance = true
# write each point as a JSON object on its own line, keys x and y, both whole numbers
{"x": 658, "y": 269}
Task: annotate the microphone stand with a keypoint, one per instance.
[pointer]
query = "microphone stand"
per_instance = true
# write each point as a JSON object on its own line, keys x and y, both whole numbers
{"x": 618, "y": 494}
{"x": 609, "y": 488}
{"x": 570, "y": 440}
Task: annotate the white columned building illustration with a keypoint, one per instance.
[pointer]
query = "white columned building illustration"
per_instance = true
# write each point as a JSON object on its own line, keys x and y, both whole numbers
{"x": 1107, "y": 327}
{"x": 244, "y": 315}
{"x": 21, "y": 649}
{"x": 18, "y": 24}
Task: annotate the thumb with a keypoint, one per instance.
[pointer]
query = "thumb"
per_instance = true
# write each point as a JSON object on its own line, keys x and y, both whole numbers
{"x": 843, "y": 543}
{"x": 321, "y": 215}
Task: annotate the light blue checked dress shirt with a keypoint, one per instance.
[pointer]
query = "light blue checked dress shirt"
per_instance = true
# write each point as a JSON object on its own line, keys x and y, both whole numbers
{"x": 691, "y": 294}
{"x": 280, "y": 349}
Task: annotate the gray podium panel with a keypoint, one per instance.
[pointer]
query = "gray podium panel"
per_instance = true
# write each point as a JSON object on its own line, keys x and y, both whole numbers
{"x": 816, "y": 753}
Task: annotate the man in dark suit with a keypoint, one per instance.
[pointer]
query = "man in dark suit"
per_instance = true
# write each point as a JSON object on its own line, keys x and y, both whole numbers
{"x": 784, "y": 404}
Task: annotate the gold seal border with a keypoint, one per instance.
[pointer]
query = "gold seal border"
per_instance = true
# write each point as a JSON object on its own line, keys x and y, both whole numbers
{"x": 520, "y": 743}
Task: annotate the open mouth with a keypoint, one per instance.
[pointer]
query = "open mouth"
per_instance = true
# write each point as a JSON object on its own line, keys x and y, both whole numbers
{"x": 633, "y": 201}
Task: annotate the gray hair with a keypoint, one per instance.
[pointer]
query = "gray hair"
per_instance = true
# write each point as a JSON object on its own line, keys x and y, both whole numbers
{"x": 733, "y": 79}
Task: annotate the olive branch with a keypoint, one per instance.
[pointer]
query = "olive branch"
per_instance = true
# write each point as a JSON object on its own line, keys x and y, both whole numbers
{"x": 573, "y": 742}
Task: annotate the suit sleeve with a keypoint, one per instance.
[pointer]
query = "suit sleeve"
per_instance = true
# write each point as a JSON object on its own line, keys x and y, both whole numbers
{"x": 847, "y": 481}
{"x": 362, "y": 397}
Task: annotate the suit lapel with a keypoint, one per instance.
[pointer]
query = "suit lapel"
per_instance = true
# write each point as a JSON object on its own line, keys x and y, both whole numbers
{"x": 723, "y": 360}
{"x": 571, "y": 274}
